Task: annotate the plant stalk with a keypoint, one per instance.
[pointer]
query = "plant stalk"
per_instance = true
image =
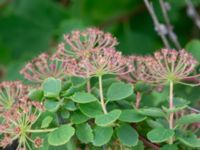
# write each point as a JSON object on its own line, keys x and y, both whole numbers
{"x": 101, "y": 95}
{"x": 171, "y": 106}
{"x": 88, "y": 86}
{"x": 138, "y": 99}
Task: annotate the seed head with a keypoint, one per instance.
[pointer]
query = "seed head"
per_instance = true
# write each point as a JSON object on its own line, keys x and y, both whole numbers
{"x": 167, "y": 65}
{"x": 134, "y": 75}
{"x": 106, "y": 61}
{"x": 11, "y": 92}
{"x": 78, "y": 43}
{"x": 43, "y": 67}
{"x": 18, "y": 122}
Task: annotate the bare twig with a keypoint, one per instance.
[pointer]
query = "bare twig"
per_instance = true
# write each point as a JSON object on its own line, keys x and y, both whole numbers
{"x": 165, "y": 30}
{"x": 192, "y": 13}
{"x": 165, "y": 7}
{"x": 148, "y": 143}
{"x": 193, "y": 109}
{"x": 160, "y": 28}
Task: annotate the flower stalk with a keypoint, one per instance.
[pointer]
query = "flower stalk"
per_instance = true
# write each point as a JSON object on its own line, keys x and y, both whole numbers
{"x": 88, "y": 86}
{"x": 171, "y": 106}
{"x": 103, "y": 105}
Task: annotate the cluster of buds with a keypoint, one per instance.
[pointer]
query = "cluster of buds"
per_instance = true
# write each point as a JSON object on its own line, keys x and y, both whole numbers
{"x": 43, "y": 67}
{"x": 18, "y": 122}
{"x": 10, "y": 92}
{"x": 78, "y": 43}
{"x": 166, "y": 65}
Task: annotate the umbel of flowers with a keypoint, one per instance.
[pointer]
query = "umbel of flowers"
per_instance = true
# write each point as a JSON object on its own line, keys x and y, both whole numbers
{"x": 17, "y": 124}
{"x": 94, "y": 55}
{"x": 89, "y": 54}
{"x": 167, "y": 67}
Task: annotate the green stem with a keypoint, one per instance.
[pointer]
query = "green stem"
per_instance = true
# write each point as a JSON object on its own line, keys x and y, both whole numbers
{"x": 88, "y": 86}
{"x": 41, "y": 130}
{"x": 101, "y": 95}
{"x": 171, "y": 106}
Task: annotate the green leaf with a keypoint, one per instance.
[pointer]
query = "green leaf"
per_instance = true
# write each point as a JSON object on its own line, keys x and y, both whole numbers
{"x": 107, "y": 119}
{"x": 152, "y": 112}
{"x": 36, "y": 94}
{"x": 68, "y": 93}
{"x": 188, "y": 119}
{"x": 179, "y": 104}
{"x": 52, "y": 105}
{"x": 46, "y": 121}
{"x": 118, "y": 91}
{"x": 169, "y": 147}
{"x": 65, "y": 114}
{"x": 70, "y": 105}
{"x": 61, "y": 135}
{"x": 159, "y": 135}
{"x": 139, "y": 146}
{"x": 91, "y": 109}
{"x": 84, "y": 133}
{"x": 71, "y": 145}
{"x": 194, "y": 47}
{"x": 155, "y": 123}
{"x": 190, "y": 140}
{"x": 130, "y": 115}
{"x": 77, "y": 82}
{"x": 52, "y": 87}
{"x": 83, "y": 97}
{"x": 102, "y": 135}
{"x": 78, "y": 118}
{"x": 127, "y": 135}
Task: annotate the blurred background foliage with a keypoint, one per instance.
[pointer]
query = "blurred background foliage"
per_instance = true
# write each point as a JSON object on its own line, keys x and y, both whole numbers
{"x": 29, "y": 27}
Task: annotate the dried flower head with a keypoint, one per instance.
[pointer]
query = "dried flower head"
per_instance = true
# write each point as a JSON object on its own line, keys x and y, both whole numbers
{"x": 106, "y": 61}
{"x": 78, "y": 43}
{"x": 134, "y": 75}
{"x": 18, "y": 122}
{"x": 43, "y": 67}
{"x": 11, "y": 92}
{"x": 167, "y": 65}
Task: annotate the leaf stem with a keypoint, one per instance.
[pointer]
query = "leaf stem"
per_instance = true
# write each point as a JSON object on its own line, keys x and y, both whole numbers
{"x": 101, "y": 95}
{"x": 171, "y": 106}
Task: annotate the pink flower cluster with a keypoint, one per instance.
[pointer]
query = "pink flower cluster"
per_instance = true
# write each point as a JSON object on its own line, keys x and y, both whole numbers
{"x": 166, "y": 65}
{"x": 92, "y": 52}
{"x": 85, "y": 54}
{"x": 42, "y": 67}
{"x": 10, "y": 92}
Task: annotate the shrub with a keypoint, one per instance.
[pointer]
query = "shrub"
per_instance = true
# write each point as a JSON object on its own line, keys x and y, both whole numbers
{"x": 87, "y": 95}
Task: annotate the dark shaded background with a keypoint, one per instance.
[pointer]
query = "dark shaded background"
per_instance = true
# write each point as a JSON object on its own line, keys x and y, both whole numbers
{"x": 29, "y": 27}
